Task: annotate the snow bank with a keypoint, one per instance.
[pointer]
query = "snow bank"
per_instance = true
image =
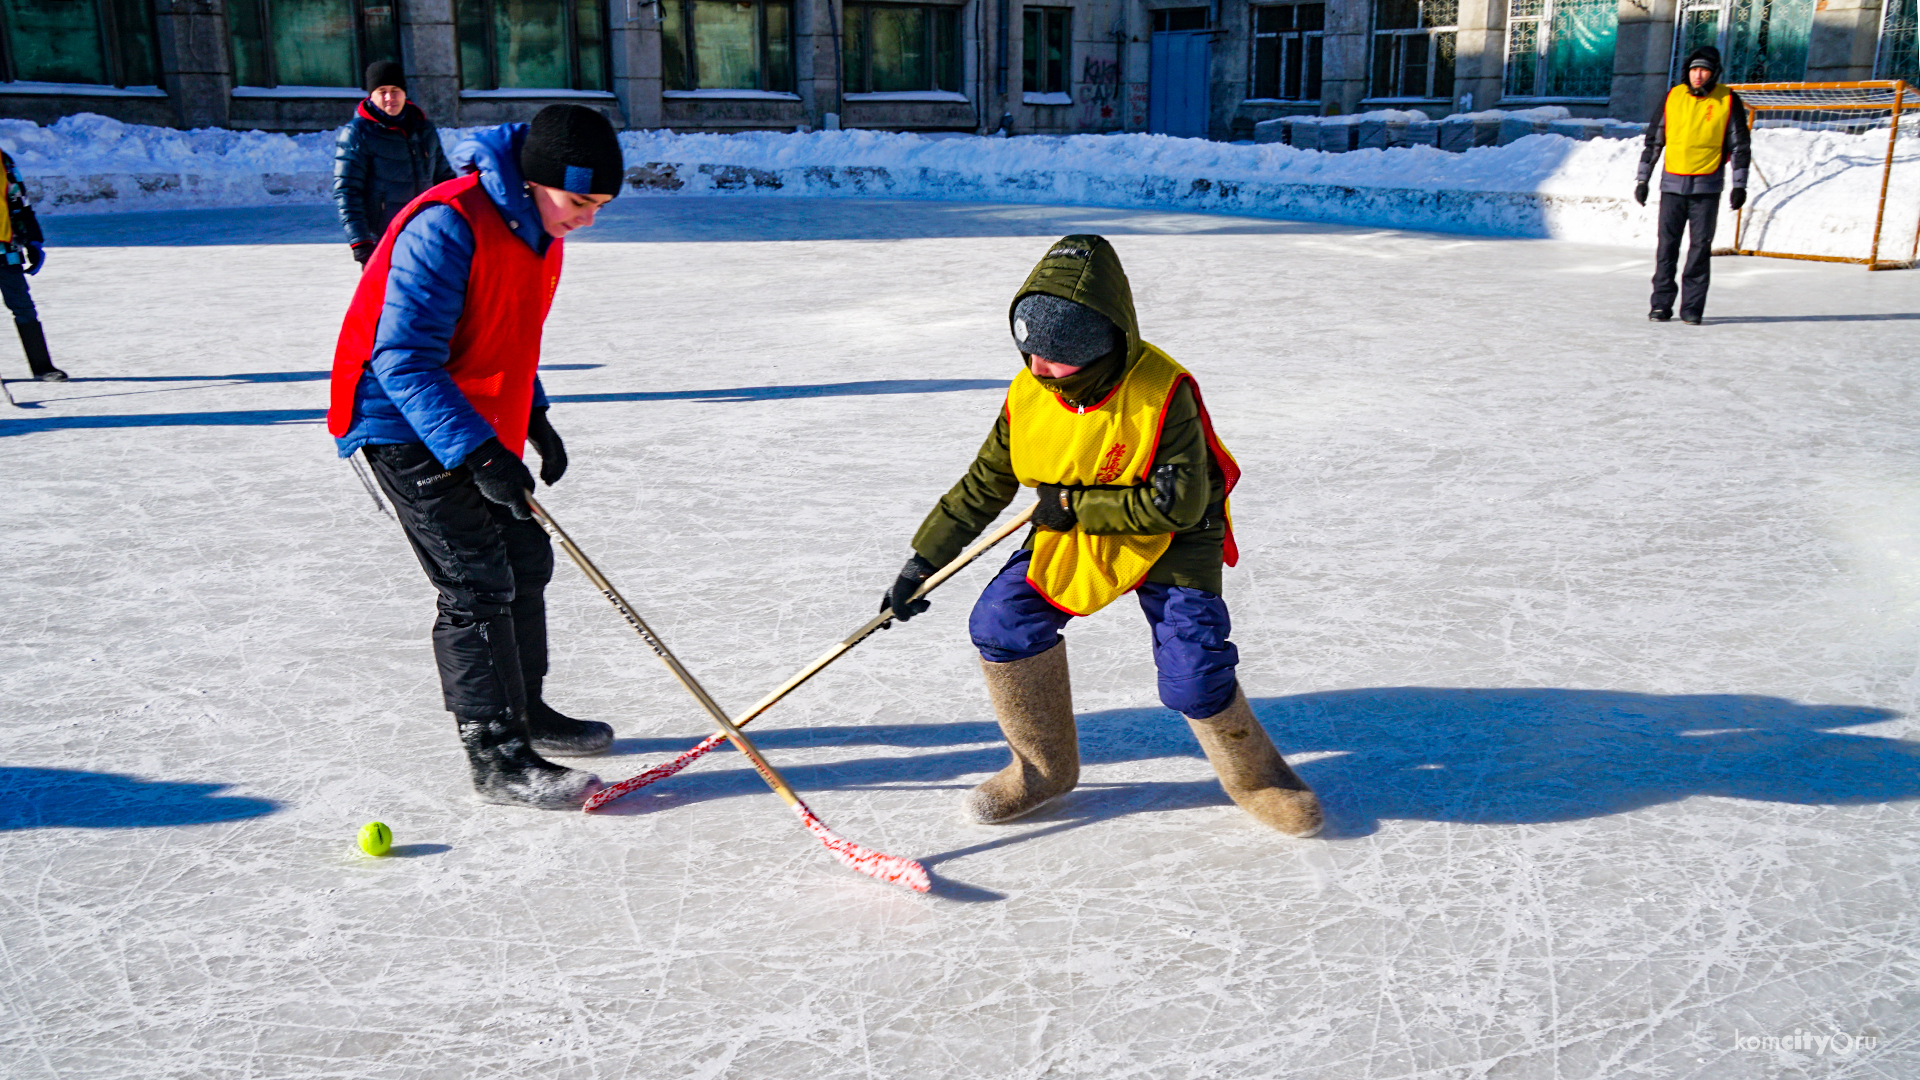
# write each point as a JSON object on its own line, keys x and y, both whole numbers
{"x": 1809, "y": 196}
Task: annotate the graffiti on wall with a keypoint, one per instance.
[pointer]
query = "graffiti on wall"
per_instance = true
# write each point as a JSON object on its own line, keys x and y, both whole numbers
{"x": 1099, "y": 94}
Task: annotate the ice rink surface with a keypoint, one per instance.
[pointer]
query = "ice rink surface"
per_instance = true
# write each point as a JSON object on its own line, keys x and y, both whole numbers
{"x": 1597, "y": 637}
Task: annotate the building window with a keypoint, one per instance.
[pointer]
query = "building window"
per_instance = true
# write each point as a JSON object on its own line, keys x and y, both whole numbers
{"x": 95, "y": 42}
{"x": 1174, "y": 20}
{"x": 1047, "y": 49}
{"x": 533, "y": 44}
{"x": 892, "y": 47}
{"x": 1286, "y": 51}
{"x": 309, "y": 42}
{"x": 1413, "y": 48}
{"x": 727, "y": 45}
{"x": 1759, "y": 40}
{"x": 1561, "y": 48}
{"x": 1899, "y": 42}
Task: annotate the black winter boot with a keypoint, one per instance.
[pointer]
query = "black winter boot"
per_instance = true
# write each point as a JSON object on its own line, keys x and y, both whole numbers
{"x": 34, "y": 340}
{"x": 507, "y": 771}
{"x": 560, "y": 735}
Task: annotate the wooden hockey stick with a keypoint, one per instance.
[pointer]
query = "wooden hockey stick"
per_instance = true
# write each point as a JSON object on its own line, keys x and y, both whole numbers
{"x": 668, "y": 768}
{"x": 888, "y": 868}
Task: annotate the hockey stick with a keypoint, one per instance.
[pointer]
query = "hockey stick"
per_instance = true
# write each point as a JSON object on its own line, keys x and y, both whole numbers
{"x": 887, "y": 868}
{"x": 665, "y": 769}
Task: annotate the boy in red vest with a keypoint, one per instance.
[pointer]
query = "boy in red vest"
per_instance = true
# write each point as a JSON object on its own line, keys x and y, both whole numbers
{"x": 1133, "y": 488}
{"x": 434, "y": 382}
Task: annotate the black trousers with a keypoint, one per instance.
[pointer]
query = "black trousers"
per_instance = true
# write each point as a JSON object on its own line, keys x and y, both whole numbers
{"x": 492, "y": 569}
{"x": 14, "y": 291}
{"x": 1697, "y": 214}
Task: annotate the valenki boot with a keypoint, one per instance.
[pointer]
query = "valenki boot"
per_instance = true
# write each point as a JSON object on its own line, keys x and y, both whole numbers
{"x": 34, "y": 340}
{"x": 1034, "y": 705}
{"x": 507, "y": 771}
{"x": 559, "y": 735}
{"x": 1253, "y": 772}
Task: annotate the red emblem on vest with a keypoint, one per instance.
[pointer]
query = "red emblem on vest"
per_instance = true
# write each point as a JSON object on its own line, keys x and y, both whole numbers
{"x": 495, "y": 351}
{"x": 1111, "y": 463}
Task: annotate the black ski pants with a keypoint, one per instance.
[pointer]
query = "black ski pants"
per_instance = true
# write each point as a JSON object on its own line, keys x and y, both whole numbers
{"x": 1695, "y": 214}
{"x": 491, "y": 568}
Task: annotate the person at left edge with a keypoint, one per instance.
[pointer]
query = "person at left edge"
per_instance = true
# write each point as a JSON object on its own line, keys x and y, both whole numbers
{"x": 22, "y": 254}
{"x": 383, "y": 159}
{"x": 434, "y": 382}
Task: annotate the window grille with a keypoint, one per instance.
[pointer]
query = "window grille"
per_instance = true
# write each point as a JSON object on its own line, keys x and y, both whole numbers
{"x": 727, "y": 45}
{"x": 893, "y": 47}
{"x": 1561, "y": 48}
{"x": 1413, "y": 48}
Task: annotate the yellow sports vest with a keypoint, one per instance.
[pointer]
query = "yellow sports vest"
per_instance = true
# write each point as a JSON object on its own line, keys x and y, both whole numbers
{"x": 1109, "y": 444}
{"x": 6, "y": 203}
{"x": 1696, "y": 130}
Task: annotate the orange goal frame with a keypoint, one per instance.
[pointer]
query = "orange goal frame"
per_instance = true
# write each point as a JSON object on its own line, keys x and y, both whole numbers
{"x": 1901, "y": 95}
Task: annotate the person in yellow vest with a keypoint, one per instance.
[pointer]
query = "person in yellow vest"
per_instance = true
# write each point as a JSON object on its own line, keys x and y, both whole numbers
{"x": 22, "y": 253}
{"x": 1132, "y": 484}
{"x": 1700, "y": 127}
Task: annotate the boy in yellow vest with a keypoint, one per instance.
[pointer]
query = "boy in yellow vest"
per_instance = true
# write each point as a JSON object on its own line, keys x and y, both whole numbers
{"x": 1133, "y": 488}
{"x": 1700, "y": 126}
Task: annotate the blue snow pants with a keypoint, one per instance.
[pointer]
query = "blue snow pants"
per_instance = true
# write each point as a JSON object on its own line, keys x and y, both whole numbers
{"x": 1196, "y": 662}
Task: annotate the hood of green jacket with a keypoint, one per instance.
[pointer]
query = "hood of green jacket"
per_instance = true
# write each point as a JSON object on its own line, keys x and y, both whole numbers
{"x": 1086, "y": 270}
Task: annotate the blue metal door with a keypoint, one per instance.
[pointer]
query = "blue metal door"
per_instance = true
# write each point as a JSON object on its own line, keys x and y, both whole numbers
{"x": 1177, "y": 83}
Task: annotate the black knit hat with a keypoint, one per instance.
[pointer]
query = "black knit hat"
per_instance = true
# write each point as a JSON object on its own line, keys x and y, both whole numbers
{"x": 1705, "y": 56}
{"x": 573, "y": 148}
{"x": 385, "y": 73}
{"x": 1061, "y": 330}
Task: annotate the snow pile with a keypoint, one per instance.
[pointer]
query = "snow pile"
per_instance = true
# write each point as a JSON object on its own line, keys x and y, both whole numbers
{"x": 89, "y": 163}
{"x": 1818, "y": 201}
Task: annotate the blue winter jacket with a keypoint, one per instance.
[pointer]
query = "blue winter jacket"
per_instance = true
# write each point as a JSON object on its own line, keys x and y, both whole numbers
{"x": 405, "y": 394}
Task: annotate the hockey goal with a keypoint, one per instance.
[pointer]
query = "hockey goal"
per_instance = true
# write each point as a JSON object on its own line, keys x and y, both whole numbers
{"x": 1836, "y": 173}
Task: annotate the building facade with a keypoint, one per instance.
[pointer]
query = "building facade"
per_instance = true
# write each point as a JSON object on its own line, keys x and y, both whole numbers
{"x": 1058, "y": 67}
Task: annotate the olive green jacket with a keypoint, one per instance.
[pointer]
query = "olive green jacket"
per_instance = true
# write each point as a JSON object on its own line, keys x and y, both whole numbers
{"x": 1085, "y": 269}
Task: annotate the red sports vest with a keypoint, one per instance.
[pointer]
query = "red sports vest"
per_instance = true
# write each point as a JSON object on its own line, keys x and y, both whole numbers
{"x": 496, "y": 342}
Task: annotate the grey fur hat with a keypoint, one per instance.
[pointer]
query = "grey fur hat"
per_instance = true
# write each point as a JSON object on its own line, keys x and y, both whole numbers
{"x": 1061, "y": 330}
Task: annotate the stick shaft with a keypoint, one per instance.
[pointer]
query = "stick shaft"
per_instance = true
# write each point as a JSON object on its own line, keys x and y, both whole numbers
{"x": 719, "y": 716}
{"x": 666, "y": 769}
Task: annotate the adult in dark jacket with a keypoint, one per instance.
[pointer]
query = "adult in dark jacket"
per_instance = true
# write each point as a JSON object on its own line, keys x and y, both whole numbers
{"x": 22, "y": 254}
{"x": 1132, "y": 486}
{"x": 434, "y": 382}
{"x": 1700, "y": 126}
{"x": 386, "y": 156}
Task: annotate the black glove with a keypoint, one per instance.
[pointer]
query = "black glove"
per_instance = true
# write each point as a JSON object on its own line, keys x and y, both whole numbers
{"x": 1640, "y": 193}
{"x": 899, "y": 598}
{"x": 553, "y": 452}
{"x": 362, "y": 252}
{"x": 1055, "y": 512}
{"x": 36, "y": 257}
{"x": 1737, "y": 198}
{"x": 501, "y": 477}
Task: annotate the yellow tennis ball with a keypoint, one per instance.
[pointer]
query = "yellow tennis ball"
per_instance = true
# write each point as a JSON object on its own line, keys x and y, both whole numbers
{"x": 375, "y": 838}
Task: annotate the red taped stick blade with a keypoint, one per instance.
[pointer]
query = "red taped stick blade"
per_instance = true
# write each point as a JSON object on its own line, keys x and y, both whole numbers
{"x": 888, "y": 868}
{"x": 652, "y": 776}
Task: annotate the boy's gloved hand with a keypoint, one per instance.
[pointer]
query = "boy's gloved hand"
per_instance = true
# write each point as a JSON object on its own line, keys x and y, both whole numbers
{"x": 1640, "y": 193}
{"x": 362, "y": 252}
{"x": 1055, "y": 512}
{"x": 899, "y": 598}
{"x": 36, "y": 257}
{"x": 553, "y": 452}
{"x": 501, "y": 477}
{"x": 1737, "y": 198}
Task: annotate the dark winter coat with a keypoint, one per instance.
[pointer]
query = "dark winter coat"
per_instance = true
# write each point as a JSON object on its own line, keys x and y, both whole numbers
{"x": 405, "y": 394}
{"x": 380, "y": 164}
{"x": 26, "y": 227}
{"x": 1737, "y": 147}
{"x": 1193, "y": 515}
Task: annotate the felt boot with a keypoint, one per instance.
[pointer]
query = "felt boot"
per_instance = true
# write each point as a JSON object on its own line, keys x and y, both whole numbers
{"x": 1034, "y": 705}
{"x": 1253, "y": 772}
{"x": 34, "y": 340}
{"x": 558, "y": 735}
{"x": 507, "y": 771}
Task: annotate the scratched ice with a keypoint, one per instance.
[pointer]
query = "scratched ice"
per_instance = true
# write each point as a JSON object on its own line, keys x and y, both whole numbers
{"x": 1598, "y": 637}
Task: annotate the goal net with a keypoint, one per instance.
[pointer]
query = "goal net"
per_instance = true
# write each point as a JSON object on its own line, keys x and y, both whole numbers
{"x": 1836, "y": 173}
